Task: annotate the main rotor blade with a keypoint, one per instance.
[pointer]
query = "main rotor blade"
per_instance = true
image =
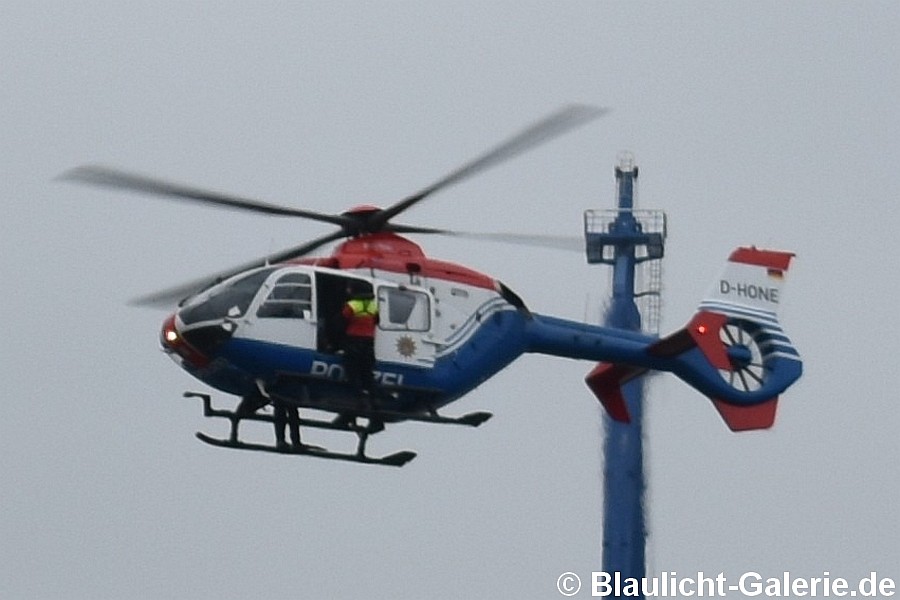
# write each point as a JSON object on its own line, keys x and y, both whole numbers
{"x": 117, "y": 179}
{"x": 544, "y": 130}
{"x": 169, "y": 297}
{"x": 558, "y": 242}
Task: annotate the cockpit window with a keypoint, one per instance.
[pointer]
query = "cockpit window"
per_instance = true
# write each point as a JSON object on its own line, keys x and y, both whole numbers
{"x": 230, "y": 298}
{"x": 290, "y": 298}
{"x": 404, "y": 310}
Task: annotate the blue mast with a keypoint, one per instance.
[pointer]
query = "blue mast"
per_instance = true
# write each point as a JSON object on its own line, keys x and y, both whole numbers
{"x": 622, "y": 242}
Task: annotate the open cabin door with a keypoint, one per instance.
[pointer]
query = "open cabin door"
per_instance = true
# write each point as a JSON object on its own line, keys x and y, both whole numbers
{"x": 405, "y": 316}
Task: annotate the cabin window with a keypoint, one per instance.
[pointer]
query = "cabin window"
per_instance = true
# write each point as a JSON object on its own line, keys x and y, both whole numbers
{"x": 403, "y": 310}
{"x": 290, "y": 298}
{"x": 230, "y": 298}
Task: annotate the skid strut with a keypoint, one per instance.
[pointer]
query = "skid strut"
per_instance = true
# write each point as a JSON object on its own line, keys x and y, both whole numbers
{"x": 288, "y": 415}
{"x": 472, "y": 419}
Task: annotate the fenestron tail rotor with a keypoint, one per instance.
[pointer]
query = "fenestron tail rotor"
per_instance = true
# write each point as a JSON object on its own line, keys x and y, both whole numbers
{"x": 748, "y": 370}
{"x": 353, "y": 223}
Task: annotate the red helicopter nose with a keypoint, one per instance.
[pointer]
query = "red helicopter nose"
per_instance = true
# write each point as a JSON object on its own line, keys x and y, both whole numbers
{"x": 173, "y": 342}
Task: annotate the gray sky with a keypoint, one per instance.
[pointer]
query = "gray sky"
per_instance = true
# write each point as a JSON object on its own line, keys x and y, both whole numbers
{"x": 768, "y": 123}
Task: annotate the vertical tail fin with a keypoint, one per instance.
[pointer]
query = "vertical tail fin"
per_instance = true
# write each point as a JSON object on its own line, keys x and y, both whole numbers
{"x": 750, "y": 286}
{"x": 749, "y": 295}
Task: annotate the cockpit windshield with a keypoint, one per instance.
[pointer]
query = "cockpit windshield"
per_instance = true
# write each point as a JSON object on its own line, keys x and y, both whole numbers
{"x": 231, "y": 298}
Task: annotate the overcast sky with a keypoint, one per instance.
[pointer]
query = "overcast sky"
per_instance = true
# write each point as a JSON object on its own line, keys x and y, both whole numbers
{"x": 768, "y": 123}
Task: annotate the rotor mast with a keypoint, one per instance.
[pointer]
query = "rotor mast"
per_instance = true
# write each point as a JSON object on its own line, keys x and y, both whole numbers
{"x": 624, "y": 239}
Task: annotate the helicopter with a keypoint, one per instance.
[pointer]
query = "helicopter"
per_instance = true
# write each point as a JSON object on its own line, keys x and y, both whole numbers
{"x": 269, "y": 332}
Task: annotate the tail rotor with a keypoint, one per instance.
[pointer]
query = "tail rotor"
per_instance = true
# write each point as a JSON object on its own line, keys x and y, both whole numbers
{"x": 748, "y": 370}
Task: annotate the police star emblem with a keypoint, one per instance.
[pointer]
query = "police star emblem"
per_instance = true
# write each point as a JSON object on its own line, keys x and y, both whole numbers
{"x": 406, "y": 346}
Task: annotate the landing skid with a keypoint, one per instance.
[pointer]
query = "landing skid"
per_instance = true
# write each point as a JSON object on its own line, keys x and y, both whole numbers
{"x": 398, "y": 459}
{"x": 287, "y": 415}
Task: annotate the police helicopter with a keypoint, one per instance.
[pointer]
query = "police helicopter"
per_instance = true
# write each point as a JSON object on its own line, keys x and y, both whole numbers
{"x": 270, "y": 332}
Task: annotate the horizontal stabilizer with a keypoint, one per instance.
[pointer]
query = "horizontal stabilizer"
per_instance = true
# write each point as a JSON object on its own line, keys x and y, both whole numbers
{"x": 606, "y": 382}
{"x": 748, "y": 418}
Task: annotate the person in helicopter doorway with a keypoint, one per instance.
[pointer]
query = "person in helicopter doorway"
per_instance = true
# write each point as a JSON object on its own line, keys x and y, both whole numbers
{"x": 360, "y": 313}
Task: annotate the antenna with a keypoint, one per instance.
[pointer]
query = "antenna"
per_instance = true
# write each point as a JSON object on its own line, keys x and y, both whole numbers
{"x": 633, "y": 243}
